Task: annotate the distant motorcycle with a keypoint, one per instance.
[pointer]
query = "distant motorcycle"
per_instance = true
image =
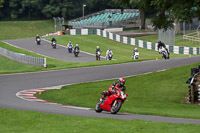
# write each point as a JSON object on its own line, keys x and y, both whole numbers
{"x": 164, "y": 52}
{"x": 136, "y": 55}
{"x": 38, "y": 41}
{"x": 111, "y": 103}
{"x": 109, "y": 56}
{"x": 76, "y": 52}
{"x": 53, "y": 44}
{"x": 98, "y": 55}
{"x": 70, "y": 49}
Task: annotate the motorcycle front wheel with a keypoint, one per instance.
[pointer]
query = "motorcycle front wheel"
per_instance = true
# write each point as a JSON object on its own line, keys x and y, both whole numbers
{"x": 116, "y": 107}
{"x": 98, "y": 108}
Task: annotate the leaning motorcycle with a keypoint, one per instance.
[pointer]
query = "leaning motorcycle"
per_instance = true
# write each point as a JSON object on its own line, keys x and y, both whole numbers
{"x": 76, "y": 52}
{"x": 164, "y": 52}
{"x": 53, "y": 44}
{"x": 38, "y": 41}
{"x": 111, "y": 103}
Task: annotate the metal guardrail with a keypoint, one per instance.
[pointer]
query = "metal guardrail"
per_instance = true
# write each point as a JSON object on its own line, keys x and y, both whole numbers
{"x": 38, "y": 61}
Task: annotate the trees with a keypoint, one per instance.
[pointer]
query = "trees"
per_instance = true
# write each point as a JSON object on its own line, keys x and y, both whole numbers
{"x": 40, "y": 9}
{"x": 166, "y": 12}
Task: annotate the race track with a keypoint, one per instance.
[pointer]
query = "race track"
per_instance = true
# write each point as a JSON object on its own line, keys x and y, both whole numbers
{"x": 60, "y": 53}
{"x": 12, "y": 83}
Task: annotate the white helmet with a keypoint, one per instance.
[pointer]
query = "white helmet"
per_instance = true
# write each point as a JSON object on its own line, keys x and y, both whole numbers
{"x": 135, "y": 48}
{"x": 76, "y": 44}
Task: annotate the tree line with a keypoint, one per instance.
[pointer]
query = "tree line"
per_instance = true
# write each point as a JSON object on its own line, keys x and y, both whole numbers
{"x": 164, "y": 13}
{"x": 44, "y": 9}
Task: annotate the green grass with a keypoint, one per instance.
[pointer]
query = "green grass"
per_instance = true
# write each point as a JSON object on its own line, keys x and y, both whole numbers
{"x": 178, "y": 40}
{"x": 14, "y": 121}
{"x": 8, "y": 66}
{"x": 122, "y": 53}
{"x": 158, "y": 93}
{"x": 25, "y": 29}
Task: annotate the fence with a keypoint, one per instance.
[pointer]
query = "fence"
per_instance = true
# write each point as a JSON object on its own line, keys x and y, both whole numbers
{"x": 38, "y": 61}
{"x": 167, "y": 36}
{"x": 134, "y": 42}
{"x": 193, "y": 37}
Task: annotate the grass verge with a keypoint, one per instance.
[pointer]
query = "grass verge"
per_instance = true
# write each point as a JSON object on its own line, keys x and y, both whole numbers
{"x": 14, "y": 121}
{"x": 158, "y": 93}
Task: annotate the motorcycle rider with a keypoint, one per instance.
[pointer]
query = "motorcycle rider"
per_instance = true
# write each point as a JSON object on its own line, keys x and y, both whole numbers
{"x": 115, "y": 86}
{"x": 134, "y": 51}
{"x": 97, "y": 50}
{"x": 76, "y": 48}
{"x": 109, "y": 51}
{"x": 161, "y": 44}
{"x": 70, "y": 44}
{"x": 37, "y": 37}
{"x": 70, "y": 47}
{"x": 52, "y": 40}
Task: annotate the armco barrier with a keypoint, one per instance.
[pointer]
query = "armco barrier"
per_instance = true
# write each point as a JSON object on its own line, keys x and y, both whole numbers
{"x": 148, "y": 45}
{"x": 133, "y": 41}
{"x": 38, "y": 61}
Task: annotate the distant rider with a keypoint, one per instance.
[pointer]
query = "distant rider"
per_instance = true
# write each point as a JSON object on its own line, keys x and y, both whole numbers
{"x": 134, "y": 51}
{"x": 52, "y": 40}
{"x": 37, "y": 37}
{"x": 109, "y": 51}
{"x": 160, "y": 45}
{"x": 76, "y": 47}
{"x": 70, "y": 44}
{"x": 97, "y": 50}
{"x": 114, "y": 87}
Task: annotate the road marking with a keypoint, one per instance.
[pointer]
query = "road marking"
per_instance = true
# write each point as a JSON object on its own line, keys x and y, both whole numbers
{"x": 29, "y": 96}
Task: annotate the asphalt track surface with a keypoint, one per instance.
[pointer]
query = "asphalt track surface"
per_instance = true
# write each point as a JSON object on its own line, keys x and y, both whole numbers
{"x": 12, "y": 83}
{"x": 60, "y": 53}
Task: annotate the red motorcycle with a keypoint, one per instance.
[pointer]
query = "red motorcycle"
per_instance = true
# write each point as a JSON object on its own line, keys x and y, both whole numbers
{"x": 111, "y": 103}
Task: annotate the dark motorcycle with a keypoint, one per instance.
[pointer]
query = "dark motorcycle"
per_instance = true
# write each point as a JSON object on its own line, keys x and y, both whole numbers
{"x": 98, "y": 55}
{"x": 76, "y": 52}
{"x": 38, "y": 41}
{"x": 53, "y": 44}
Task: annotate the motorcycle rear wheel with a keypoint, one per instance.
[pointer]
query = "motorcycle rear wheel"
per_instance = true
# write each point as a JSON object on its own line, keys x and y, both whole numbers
{"x": 98, "y": 108}
{"x": 115, "y": 108}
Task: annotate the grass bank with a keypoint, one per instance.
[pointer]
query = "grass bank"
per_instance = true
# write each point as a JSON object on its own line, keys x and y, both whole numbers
{"x": 122, "y": 52}
{"x": 14, "y": 121}
{"x": 158, "y": 93}
{"x": 25, "y": 29}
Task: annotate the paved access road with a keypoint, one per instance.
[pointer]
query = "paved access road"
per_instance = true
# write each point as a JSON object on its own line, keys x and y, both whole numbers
{"x": 60, "y": 53}
{"x": 13, "y": 83}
